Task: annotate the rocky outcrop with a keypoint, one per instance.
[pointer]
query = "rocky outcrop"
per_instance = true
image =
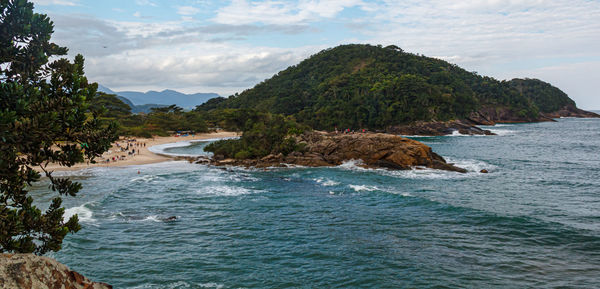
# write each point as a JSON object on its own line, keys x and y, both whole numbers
{"x": 493, "y": 115}
{"x": 28, "y": 271}
{"x": 498, "y": 114}
{"x": 571, "y": 111}
{"x": 373, "y": 150}
{"x": 488, "y": 115}
{"x": 438, "y": 128}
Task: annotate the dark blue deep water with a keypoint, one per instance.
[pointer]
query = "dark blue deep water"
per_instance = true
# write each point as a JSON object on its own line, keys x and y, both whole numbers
{"x": 532, "y": 222}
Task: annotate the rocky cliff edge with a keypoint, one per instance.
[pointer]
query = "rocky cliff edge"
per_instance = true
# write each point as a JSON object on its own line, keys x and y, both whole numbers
{"x": 28, "y": 271}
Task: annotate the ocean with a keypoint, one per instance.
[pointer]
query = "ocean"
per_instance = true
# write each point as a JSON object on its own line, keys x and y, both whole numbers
{"x": 532, "y": 222}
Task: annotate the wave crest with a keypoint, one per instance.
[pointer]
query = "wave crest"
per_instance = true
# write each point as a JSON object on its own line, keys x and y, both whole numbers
{"x": 83, "y": 213}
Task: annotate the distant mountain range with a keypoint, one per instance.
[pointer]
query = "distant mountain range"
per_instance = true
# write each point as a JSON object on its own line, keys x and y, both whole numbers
{"x": 143, "y": 101}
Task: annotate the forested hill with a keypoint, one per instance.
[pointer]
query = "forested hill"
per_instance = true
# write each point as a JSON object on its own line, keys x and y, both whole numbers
{"x": 365, "y": 86}
{"x": 546, "y": 97}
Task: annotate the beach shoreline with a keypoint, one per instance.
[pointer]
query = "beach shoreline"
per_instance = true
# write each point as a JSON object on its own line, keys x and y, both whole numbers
{"x": 142, "y": 156}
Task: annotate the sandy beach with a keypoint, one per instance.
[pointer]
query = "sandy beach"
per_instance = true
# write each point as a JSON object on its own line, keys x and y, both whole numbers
{"x": 116, "y": 157}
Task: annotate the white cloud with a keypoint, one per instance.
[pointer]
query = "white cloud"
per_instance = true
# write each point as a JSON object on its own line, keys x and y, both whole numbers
{"x": 499, "y": 38}
{"x": 55, "y": 2}
{"x": 222, "y": 68}
{"x": 145, "y": 3}
{"x": 142, "y": 56}
{"x": 279, "y": 12}
{"x": 187, "y": 10}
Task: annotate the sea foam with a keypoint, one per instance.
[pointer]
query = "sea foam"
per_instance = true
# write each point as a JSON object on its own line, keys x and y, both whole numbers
{"x": 83, "y": 213}
{"x": 360, "y": 188}
{"x": 472, "y": 166}
{"x": 326, "y": 182}
{"x": 503, "y": 132}
{"x": 224, "y": 190}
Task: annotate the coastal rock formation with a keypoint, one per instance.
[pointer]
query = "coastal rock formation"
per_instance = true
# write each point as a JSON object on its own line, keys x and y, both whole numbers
{"x": 484, "y": 116}
{"x": 373, "y": 150}
{"x": 490, "y": 115}
{"x": 571, "y": 111}
{"x": 438, "y": 128}
{"x": 29, "y": 271}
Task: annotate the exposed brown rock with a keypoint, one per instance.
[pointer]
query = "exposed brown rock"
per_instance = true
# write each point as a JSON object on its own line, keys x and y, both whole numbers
{"x": 375, "y": 150}
{"x": 499, "y": 114}
{"x": 571, "y": 111}
{"x": 28, "y": 271}
{"x": 487, "y": 115}
{"x": 477, "y": 118}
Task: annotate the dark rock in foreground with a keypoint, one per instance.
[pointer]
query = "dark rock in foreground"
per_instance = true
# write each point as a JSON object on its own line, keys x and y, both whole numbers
{"x": 374, "y": 150}
{"x": 29, "y": 271}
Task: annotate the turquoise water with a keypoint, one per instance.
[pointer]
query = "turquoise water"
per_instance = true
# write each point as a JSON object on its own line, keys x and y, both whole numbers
{"x": 532, "y": 222}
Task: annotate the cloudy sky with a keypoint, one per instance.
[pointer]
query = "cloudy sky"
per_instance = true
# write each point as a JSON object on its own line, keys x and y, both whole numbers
{"x": 228, "y": 46}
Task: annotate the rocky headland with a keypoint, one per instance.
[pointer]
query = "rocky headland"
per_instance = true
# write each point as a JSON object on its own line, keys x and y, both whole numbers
{"x": 372, "y": 150}
{"x": 439, "y": 128}
{"x": 572, "y": 111}
{"x": 484, "y": 116}
{"x": 28, "y": 271}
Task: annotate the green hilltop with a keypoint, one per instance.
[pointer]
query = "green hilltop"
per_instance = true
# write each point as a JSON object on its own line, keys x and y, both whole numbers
{"x": 365, "y": 86}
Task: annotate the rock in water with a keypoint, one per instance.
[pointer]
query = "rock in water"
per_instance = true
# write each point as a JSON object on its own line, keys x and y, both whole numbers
{"x": 170, "y": 219}
{"x": 28, "y": 271}
{"x": 374, "y": 150}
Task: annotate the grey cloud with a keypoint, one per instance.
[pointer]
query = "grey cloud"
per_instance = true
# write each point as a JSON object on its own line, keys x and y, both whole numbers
{"x": 95, "y": 37}
{"x": 222, "y": 72}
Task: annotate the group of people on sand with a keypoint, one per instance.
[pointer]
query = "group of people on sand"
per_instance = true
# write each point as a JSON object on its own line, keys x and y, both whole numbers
{"x": 131, "y": 146}
{"x": 348, "y": 131}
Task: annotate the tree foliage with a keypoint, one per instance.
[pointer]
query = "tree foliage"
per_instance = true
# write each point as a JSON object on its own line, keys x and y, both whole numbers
{"x": 44, "y": 117}
{"x": 263, "y": 134}
{"x": 160, "y": 121}
{"x": 110, "y": 106}
{"x": 545, "y": 96}
{"x": 363, "y": 86}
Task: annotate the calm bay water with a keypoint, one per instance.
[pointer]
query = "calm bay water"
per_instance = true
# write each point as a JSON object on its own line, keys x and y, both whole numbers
{"x": 532, "y": 222}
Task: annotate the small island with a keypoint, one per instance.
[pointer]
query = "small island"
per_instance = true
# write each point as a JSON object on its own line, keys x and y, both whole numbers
{"x": 371, "y": 150}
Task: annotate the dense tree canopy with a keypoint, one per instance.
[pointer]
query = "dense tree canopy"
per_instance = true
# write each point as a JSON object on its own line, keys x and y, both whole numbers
{"x": 160, "y": 121}
{"x": 546, "y": 97}
{"x": 263, "y": 134}
{"x": 364, "y": 86}
{"x": 44, "y": 117}
{"x": 110, "y": 106}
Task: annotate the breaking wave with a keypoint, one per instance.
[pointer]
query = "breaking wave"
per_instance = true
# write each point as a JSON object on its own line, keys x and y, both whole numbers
{"x": 83, "y": 213}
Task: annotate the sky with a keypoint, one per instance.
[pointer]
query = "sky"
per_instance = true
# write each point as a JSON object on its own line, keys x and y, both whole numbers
{"x": 229, "y": 46}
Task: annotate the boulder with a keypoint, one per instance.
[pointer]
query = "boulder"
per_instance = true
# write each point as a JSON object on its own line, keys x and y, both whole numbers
{"x": 28, "y": 271}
